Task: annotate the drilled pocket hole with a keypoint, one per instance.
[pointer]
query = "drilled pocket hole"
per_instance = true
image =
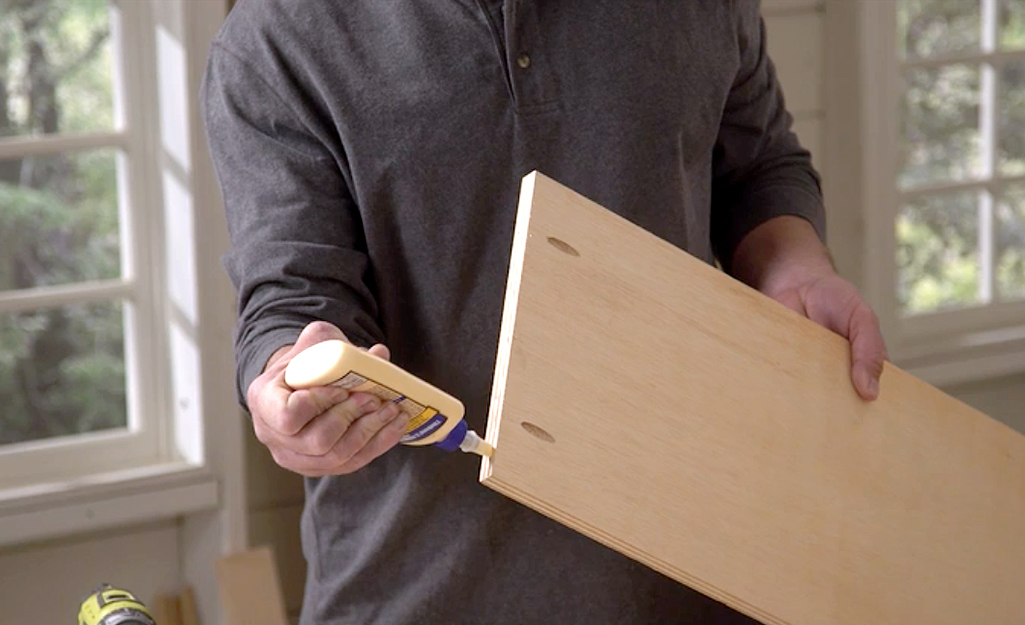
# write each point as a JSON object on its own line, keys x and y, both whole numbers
{"x": 534, "y": 430}
{"x": 562, "y": 246}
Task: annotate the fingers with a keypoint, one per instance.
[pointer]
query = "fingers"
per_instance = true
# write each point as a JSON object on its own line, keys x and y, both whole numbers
{"x": 285, "y": 412}
{"x": 321, "y": 430}
{"x": 380, "y": 351}
{"x": 868, "y": 351}
{"x": 385, "y": 438}
{"x": 835, "y": 304}
{"x": 323, "y": 433}
{"x": 367, "y": 438}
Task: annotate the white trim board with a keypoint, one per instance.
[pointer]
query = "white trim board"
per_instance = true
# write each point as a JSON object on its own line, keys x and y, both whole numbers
{"x": 104, "y": 502}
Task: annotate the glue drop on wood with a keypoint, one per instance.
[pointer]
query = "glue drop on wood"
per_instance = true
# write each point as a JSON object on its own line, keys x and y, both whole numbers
{"x": 435, "y": 417}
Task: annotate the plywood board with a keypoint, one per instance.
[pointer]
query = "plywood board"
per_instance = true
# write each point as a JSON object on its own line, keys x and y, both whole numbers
{"x": 666, "y": 410}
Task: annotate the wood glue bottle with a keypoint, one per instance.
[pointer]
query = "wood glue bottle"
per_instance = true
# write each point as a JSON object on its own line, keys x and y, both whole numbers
{"x": 435, "y": 417}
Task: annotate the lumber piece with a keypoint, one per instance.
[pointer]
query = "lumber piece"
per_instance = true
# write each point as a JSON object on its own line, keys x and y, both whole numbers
{"x": 662, "y": 408}
{"x": 250, "y": 589}
{"x": 166, "y": 610}
{"x": 187, "y": 605}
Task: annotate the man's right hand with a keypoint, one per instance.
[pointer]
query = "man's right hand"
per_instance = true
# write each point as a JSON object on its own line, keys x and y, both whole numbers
{"x": 322, "y": 430}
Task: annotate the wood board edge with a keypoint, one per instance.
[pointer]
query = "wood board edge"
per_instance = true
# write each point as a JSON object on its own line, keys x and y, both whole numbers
{"x": 521, "y": 232}
{"x": 638, "y": 555}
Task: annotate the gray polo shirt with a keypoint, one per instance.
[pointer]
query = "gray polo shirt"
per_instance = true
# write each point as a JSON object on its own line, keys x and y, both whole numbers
{"x": 370, "y": 154}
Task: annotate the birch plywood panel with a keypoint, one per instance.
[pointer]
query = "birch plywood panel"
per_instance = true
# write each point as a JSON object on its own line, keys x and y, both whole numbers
{"x": 660, "y": 407}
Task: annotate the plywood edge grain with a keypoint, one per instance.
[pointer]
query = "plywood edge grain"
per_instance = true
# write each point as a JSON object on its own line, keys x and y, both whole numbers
{"x": 505, "y": 337}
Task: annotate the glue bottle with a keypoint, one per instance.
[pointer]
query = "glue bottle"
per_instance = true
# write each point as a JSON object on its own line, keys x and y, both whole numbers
{"x": 435, "y": 417}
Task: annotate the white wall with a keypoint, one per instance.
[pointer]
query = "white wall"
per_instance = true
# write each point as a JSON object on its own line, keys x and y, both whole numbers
{"x": 795, "y": 31}
{"x": 46, "y": 583}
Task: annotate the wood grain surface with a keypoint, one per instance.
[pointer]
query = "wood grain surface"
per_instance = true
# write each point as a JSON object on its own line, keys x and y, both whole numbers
{"x": 662, "y": 408}
{"x": 250, "y": 589}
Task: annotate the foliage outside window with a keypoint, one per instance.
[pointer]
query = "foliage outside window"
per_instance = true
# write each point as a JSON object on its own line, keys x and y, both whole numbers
{"x": 62, "y": 353}
{"x": 960, "y": 226}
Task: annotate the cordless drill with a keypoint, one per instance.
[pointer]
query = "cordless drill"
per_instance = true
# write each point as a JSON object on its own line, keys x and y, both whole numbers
{"x": 113, "y": 606}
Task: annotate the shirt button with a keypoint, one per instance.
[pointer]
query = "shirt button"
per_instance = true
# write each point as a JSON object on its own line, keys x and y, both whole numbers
{"x": 523, "y": 61}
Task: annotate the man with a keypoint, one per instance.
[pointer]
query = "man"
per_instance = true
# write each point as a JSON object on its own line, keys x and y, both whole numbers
{"x": 370, "y": 153}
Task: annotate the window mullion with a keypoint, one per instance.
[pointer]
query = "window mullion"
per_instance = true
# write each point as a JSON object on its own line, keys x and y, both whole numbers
{"x": 24, "y": 147}
{"x": 881, "y": 124}
{"x": 989, "y": 138}
{"x": 63, "y": 295}
{"x": 140, "y": 200}
{"x": 999, "y": 58}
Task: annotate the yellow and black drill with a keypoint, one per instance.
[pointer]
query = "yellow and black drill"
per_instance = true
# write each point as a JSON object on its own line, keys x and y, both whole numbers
{"x": 113, "y": 606}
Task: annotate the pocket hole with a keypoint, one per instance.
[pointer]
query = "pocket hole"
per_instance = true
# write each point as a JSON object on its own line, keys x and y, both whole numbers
{"x": 534, "y": 430}
{"x": 562, "y": 246}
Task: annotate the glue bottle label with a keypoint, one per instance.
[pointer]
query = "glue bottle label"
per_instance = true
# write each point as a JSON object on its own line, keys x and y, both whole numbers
{"x": 423, "y": 420}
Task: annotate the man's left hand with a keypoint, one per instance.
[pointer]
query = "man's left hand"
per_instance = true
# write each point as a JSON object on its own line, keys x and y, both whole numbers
{"x": 785, "y": 259}
{"x": 833, "y": 302}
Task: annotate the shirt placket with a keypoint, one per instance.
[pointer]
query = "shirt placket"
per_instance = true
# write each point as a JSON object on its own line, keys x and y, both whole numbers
{"x": 533, "y": 82}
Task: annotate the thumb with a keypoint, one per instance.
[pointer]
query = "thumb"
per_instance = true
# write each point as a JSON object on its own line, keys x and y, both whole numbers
{"x": 868, "y": 352}
{"x": 381, "y": 351}
{"x": 317, "y": 332}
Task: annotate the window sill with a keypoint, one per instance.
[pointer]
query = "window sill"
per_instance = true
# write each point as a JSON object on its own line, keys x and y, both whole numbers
{"x": 105, "y": 501}
{"x": 966, "y": 358}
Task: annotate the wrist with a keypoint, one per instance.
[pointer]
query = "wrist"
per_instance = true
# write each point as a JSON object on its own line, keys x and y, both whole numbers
{"x": 781, "y": 254}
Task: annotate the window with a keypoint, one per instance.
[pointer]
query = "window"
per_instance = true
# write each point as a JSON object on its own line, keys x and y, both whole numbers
{"x": 79, "y": 340}
{"x": 944, "y": 121}
{"x": 117, "y": 401}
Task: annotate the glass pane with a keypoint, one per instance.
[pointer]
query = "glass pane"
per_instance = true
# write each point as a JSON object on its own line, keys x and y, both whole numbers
{"x": 56, "y": 70}
{"x": 1012, "y": 118}
{"x": 1010, "y": 244}
{"x": 1012, "y": 24}
{"x": 936, "y": 27}
{"x": 937, "y": 253}
{"x": 58, "y": 220}
{"x": 940, "y": 125}
{"x": 61, "y": 372}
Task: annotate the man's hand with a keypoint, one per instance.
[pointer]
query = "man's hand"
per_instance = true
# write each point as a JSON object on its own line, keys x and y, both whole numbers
{"x": 323, "y": 430}
{"x": 784, "y": 259}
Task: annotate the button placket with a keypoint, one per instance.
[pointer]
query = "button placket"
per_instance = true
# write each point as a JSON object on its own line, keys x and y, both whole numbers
{"x": 532, "y": 81}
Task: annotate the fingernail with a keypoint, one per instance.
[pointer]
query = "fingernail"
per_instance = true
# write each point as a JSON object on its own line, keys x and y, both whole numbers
{"x": 392, "y": 412}
{"x": 873, "y": 385}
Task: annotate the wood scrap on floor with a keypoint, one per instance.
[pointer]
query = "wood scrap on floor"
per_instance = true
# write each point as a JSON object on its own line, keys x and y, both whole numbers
{"x": 250, "y": 589}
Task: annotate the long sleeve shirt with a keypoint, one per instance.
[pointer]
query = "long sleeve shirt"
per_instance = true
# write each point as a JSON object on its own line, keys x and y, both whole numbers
{"x": 370, "y": 154}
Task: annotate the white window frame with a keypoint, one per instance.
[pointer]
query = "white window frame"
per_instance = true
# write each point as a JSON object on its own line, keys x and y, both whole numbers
{"x": 943, "y": 347}
{"x": 144, "y": 440}
{"x": 184, "y": 458}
